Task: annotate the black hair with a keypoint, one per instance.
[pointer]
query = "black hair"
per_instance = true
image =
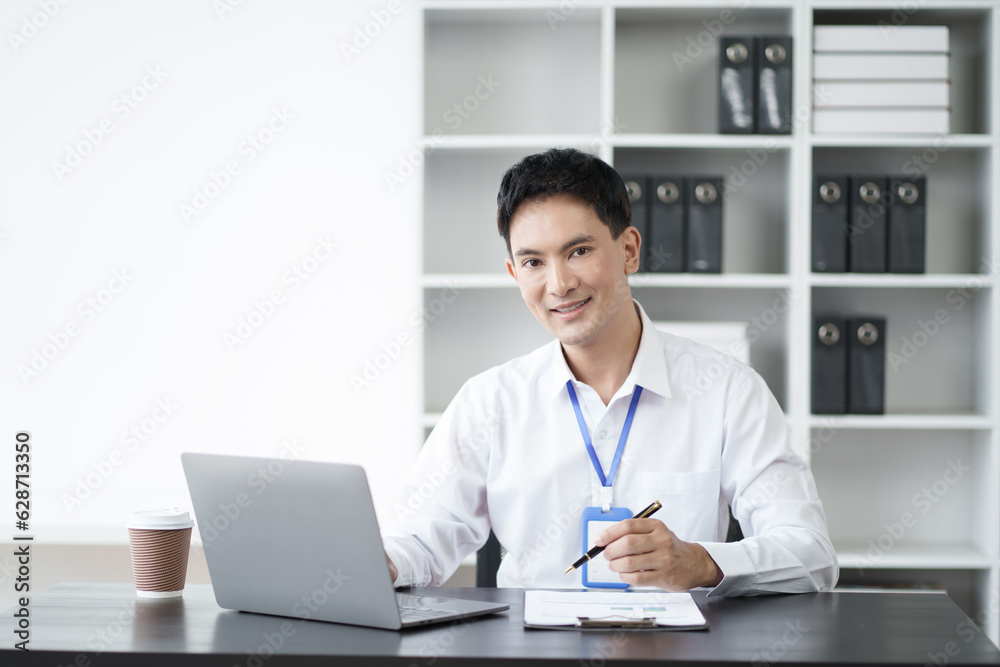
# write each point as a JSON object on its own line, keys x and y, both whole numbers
{"x": 564, "y": 170}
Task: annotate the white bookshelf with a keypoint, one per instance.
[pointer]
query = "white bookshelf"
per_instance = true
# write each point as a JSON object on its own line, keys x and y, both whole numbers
{"x": 604, "y": 81}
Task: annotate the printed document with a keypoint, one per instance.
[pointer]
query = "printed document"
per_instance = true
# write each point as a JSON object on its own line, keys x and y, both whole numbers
{"x": 657, "y": 609}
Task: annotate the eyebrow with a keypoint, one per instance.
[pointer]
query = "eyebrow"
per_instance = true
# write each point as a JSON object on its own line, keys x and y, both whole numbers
{"x": 583, "y": 238}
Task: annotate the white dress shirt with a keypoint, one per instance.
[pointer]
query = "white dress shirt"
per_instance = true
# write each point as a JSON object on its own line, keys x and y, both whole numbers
{"x": 508, "y": 454}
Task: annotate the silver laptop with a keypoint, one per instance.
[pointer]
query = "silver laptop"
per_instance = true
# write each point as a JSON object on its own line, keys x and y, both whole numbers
{"x": 300, "y": 539}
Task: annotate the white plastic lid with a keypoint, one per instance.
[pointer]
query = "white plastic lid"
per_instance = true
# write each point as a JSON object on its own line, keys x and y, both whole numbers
{"x": 171, "y": 519}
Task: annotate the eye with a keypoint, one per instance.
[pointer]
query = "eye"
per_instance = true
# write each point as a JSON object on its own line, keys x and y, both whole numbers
{"x": 579, "y": 252}
{"x": 530, "y": 263}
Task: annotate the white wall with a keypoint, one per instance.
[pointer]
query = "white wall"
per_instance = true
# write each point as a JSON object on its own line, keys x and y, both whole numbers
{"x": 111, "y": 228}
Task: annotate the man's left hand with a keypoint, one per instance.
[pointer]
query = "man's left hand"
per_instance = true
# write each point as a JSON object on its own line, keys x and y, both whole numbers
{"x": 644, "y": 552}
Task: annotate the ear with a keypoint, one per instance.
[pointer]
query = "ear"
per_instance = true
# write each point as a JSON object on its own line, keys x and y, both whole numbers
{"x": 631, "y": 245}
{"x": 510, "y": 268}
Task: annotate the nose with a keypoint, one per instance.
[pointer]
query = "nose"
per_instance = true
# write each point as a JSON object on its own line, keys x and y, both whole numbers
{"x": 561, "y": 280}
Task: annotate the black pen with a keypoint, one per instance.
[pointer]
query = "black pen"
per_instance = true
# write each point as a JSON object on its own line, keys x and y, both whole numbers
{"x": 596, "y": 550}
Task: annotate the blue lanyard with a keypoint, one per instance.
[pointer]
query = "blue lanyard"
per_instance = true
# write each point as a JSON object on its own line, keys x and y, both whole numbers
{"x": 610, "y": 479}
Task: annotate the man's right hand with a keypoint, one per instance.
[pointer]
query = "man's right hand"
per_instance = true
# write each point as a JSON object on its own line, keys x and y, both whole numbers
{"x": 392, "y": 568}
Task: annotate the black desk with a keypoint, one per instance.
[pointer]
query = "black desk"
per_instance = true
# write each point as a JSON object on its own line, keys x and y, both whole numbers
{"x": 105, "y": 624}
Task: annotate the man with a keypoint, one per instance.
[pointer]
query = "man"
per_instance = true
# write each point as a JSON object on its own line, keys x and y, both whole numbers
{"x": 513, "y": 450}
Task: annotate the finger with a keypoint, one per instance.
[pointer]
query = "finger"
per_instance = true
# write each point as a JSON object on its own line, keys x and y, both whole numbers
{"x": 633, "y": 563}
{"x": 630, "y": 545}
{"x": 622, "y": 528}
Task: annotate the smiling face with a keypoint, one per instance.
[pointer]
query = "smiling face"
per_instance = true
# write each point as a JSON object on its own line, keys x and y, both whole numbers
{"x": 571, "y": 272}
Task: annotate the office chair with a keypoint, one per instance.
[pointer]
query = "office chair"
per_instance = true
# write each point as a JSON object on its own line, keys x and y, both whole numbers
{"x": 488, "y": 557}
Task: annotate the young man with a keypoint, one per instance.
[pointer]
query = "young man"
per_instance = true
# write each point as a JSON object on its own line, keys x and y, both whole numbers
{"x": 526, "y": 446}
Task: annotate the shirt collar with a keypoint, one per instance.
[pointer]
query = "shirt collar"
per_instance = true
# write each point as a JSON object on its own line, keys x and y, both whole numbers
{"x": 649, "y": 370}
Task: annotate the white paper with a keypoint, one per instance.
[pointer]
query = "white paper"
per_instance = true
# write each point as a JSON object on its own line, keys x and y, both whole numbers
{"x": 875, "y": 94}
{"x": 881, "y": 121}
{"x": 560, "y": 608}
{"x": 868, "y": 38}
{"x": 889, "y": 66}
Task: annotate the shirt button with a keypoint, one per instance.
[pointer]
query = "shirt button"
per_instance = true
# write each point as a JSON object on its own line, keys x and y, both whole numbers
{"x": 602, "y": 434}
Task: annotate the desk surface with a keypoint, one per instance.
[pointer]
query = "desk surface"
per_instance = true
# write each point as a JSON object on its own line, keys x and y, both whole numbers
{"x": 108, "y": 625}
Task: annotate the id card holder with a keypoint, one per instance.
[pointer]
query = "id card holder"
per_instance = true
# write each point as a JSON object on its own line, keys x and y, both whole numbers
{"x": 596, "y": 573}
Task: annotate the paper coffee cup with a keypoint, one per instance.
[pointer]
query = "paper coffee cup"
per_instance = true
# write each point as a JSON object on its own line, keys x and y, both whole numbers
{"x": 160, "y": 541}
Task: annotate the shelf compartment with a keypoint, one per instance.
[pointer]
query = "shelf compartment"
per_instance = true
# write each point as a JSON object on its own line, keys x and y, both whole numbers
{"x": 959, "y": 191}
{"x": 666, "y": 63}
{"x": 499, "y": 323}
{"x": 969, "y": 63}
{"x": 756, "y": 197}
{"x": 919, "y": 495}
{"x": 546, "y": 74}
{"x": 460, "y": 194}
{"x": 765, "y": 310}
{"x": 938, "y": 345}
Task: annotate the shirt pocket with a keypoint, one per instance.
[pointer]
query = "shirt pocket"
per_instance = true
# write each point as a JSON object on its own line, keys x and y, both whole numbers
{"x": 691, "y": 502}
